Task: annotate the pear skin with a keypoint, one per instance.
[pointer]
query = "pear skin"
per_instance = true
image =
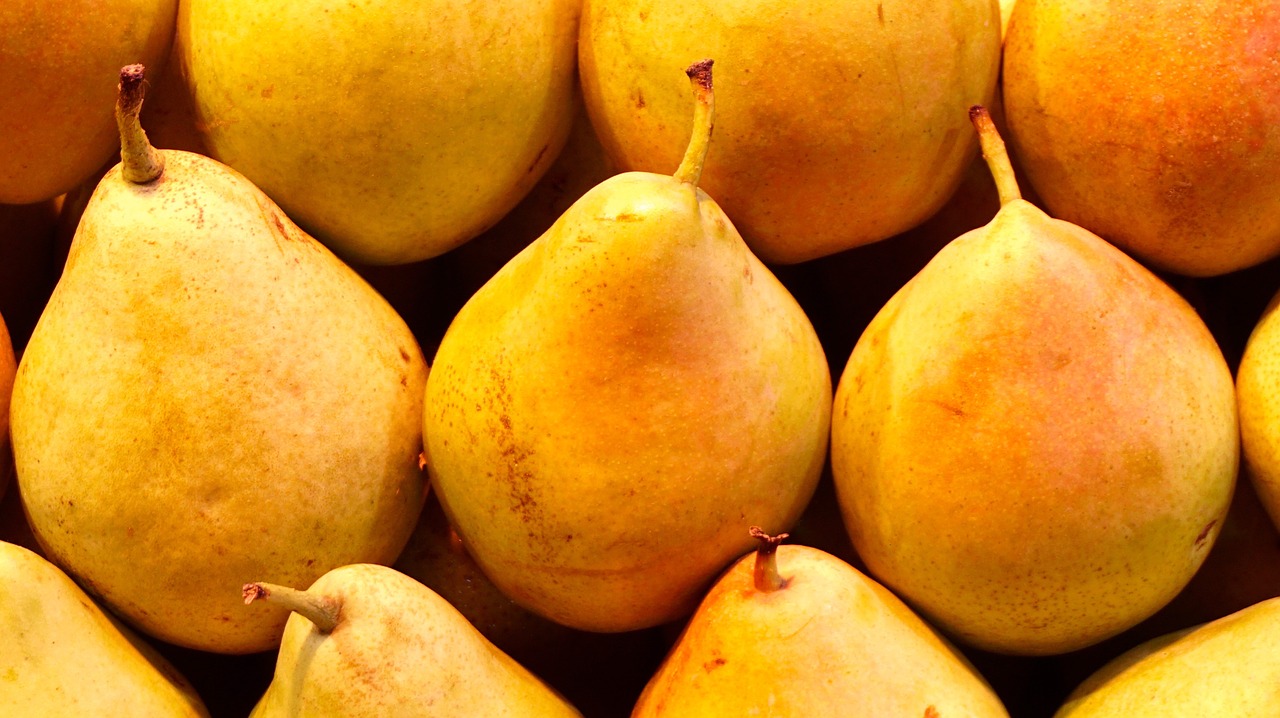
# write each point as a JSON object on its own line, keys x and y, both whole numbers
{"x": 206, "y": 386}
{"x": 63, "y": 656}
{"x": 55, "y": 112}
{"x": 806, "y": 634}
{"x": 609, "y": 408}
{"x": 366, "y": 641}
{"x": 1035, "y": 441}
{"x": 1224, "y": 669}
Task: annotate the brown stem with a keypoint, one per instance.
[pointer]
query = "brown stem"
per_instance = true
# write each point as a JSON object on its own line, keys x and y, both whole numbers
{"x": 996, "y": 154}
{"x": 695, "y": 155}
{"x": 140, "y": 162}
{"x": 767, "y": 578}
{"x": 320, "y": 610}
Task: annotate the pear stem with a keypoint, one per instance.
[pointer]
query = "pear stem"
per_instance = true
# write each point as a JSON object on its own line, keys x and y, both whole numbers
{"x": 140, "y": 162}
{"x": 996, "y": 155}
{"x": 320, "y": 610}
{"x": 766, "y": 576}
{"x": 704, "y": 110}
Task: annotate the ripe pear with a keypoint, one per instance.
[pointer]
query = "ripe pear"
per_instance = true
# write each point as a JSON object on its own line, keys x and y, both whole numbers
{"x": 443, "y": 114}
{"x": 211, "y": 393}
{"x": 1169, "y": 149}
{"x": 843, "y": 121}
{"x": 1035, "y": 441}
{"x": 606, "y": 411}
{"x": 1258, "y": 391}
{"x": 56, "y": 126}
{"x": 1228, "y": 668}
{"x": 794, "y": 631}
{"x": 63, "y": 656}
{"x": 367, "y": 640}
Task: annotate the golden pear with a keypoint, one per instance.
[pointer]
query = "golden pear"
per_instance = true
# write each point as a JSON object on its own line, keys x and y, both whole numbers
{"x": 56, "y": 126}
{"x": 792, "y": 631}
{"x": 392, "y": 131}
{"x": 1228, "y": 668}
{"x": 366, "y": 641}
{"x": 1035, "y": 441}
{"x": 210, "y": 394}
{"x": 843, "y": 122}
{"x": 617, "y": 400}
{"x": 1169, "y": 148}
{"x": 1258, "y": 391}
{"x": 63, "y": 656}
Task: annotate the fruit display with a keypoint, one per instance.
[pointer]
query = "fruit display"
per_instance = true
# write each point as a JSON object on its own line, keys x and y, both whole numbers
{"x": 616, "y": 358}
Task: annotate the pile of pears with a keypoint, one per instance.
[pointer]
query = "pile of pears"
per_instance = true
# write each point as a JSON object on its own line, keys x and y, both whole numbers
{"x": 638, "y": 358}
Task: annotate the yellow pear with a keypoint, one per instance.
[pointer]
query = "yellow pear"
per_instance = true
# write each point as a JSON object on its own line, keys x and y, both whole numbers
{"x": 368, "y": 641}
{"x": 1228, "y": 668}
{"x": 1258, "y": 391}
{"x": 618, "y": 399}
{"x": 392, "y": 131}
{"x": 211, "y": 393}
{"x": 55, "y": 111}
{"x": 794, "y": 631}
{"x": 843, "y": 121}
{"x": 63, "y": 656}
{"x": 1169, "y": 149}
{"x": 1035, "y": 441}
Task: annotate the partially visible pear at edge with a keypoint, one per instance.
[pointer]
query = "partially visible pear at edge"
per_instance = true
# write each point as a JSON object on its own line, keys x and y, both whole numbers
{"x": 63, "y": 656}
{"x": 366, "y": 641}
{"x": 794, "y": 631}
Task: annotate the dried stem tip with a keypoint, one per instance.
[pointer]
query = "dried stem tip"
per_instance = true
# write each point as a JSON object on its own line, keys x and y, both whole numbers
{"x": 320, "y": 610}
{"x": 996, "y": 154}
{"x": 766, "y": 575}
{"x": 695, "y": 155}
{"x": 140, "y": 162}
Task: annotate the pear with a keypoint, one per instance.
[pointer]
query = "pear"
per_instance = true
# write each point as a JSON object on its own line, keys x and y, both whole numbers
{"x": 795, "y": 631}
{"x": 1035, "y": 440}
{"x": 1169, "y": 150}
{"x": 1227, "y": 668}
{"x": 611, "y": 406}
{"x": 63, "y": 656}
{"x": 843, "y": 121}
{"x": 446, "y": 113}
{"x": 56, "y": 126}
{"x": 1259, "y": 402}
{"x": 367, "y": 640}
{"x": 211, "y": 393}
